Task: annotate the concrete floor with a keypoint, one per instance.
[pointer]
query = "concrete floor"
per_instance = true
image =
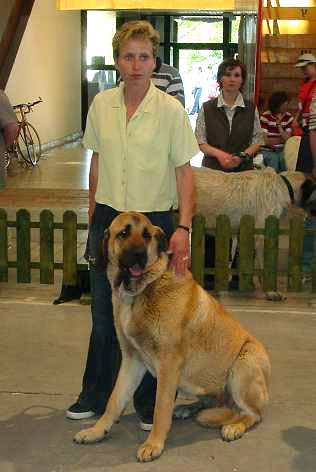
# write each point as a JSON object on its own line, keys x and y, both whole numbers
{"x": 43, "y": 349}
{"x": 42, "y": 352}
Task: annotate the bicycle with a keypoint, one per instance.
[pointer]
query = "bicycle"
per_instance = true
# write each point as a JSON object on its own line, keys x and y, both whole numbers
{"x": 27, "y": 147}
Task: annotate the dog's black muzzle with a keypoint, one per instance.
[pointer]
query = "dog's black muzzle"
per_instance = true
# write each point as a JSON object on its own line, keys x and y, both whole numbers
{"x": 132, "y": 263}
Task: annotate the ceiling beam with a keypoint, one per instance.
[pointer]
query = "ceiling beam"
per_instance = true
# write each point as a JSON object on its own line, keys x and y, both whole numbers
{"x": 12, "y": 36}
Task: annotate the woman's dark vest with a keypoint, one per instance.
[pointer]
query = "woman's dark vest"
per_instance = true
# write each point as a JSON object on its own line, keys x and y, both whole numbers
{"x": 219, "y": 135}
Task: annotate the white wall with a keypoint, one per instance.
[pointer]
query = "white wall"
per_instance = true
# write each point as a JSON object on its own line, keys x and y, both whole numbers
{"x": 48, "y": 64}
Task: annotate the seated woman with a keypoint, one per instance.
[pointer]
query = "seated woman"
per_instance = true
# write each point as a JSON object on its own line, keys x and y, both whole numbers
{"x": 276, "y": 124}
{"x": 228, "y": 132}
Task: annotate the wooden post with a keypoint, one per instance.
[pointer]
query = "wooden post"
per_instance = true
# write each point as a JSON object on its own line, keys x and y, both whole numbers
{"x": 271, "y": 252}
{"x": 198, "y": 248}
{"x": 3, "y": 246}
{"x": 70, "y": 248}
{"x": 246, "y": 253}
{"x": 23, "y": 246}
{"x": 46, "y": 247}
{"x": 295, "y": 253}
{"x": 223, "y": 235}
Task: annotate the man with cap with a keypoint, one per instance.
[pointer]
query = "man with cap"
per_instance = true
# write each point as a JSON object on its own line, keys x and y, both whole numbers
{"x": 305, "y": 160}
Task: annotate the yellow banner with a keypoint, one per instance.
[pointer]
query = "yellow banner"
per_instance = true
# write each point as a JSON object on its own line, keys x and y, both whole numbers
{"x": 162, "y": 5}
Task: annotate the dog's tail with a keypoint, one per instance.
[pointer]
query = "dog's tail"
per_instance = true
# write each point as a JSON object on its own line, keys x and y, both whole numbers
{"x": 233, "y": 424}
{"x": 217, "y": 417}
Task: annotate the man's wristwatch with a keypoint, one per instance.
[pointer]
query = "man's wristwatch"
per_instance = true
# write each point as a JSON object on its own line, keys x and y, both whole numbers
{"x": 186, "y": 228}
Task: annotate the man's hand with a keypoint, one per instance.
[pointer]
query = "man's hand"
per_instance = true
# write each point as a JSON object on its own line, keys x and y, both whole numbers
{"x": 179, "y": 248}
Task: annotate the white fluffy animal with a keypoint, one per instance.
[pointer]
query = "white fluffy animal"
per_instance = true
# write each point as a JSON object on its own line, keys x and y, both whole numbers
{"x": 258, "y": 193}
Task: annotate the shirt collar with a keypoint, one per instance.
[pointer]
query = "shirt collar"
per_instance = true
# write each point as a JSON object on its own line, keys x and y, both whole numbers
{"x": 146, "y": 105}
{"x": 239, "y": 102}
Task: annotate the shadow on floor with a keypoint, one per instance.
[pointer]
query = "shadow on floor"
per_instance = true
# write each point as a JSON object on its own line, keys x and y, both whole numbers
{"x": 303, "y": 440}
{"x": 40, "y": 439}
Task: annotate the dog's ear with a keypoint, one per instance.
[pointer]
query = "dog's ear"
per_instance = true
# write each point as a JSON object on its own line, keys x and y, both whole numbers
{"x": 162, "y": 240}
{"x": 102, "y": 255}
{"x": 308, "y": 193}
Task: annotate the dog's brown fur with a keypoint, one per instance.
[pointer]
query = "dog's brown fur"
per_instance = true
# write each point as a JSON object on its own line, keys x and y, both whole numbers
{"x": 182, "y": 335}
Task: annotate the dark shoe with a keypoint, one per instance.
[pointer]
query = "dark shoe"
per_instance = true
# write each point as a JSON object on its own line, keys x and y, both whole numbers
{"x": 146, "y": 419}
{"x": 146, "y": 423}
{"x": 209, "y": 282}
{"x": 77, "y": 411}
{"x": 234, "y": 283}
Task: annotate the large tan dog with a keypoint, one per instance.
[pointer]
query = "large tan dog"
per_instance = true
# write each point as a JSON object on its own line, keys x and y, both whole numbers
{"x": 182, "y": 335}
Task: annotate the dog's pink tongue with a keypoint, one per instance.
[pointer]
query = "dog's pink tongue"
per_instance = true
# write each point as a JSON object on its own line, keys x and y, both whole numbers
{"x": 135, "y": 271}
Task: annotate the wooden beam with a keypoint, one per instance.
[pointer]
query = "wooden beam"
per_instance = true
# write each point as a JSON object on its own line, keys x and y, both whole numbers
{"x": 160, "y": 5}
{"x": 289, "y": 13}
{"x": 12, "y": 37}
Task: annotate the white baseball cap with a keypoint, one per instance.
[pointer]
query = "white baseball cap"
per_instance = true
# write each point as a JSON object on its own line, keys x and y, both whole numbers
{"x": 305, "y": 59}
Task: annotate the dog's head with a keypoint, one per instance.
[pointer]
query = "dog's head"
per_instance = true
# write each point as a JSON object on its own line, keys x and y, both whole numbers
{"x": 136, "y": 252}
{"x": 303, "y": 189}
{"x": 308, "y": 198}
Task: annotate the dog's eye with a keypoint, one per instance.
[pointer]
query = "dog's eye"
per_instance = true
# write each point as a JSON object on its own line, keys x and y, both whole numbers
{"x": 125, "y": 232}
{"x": 146, "y": 235}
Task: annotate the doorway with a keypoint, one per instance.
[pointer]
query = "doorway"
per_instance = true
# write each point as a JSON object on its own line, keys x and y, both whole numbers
{"x": 188, "y": 42}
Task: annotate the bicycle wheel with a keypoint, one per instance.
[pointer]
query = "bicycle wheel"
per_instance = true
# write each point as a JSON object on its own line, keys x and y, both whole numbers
{"x": 7, "y": 159}
{"x": 10, "y": 154}
{"x": 29, "y": 144}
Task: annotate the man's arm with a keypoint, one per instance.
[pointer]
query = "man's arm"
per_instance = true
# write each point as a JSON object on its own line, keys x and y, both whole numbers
{"x": 8, "y": 121}
{"x": 93, "y": 182}
{"x": 312, "y": 141}
{"x": 10, "y": 133}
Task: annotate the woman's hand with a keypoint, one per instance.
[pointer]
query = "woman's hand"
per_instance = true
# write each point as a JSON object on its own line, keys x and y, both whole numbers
{"x": 179, "y": 249}
{"x": 228, "y": 161}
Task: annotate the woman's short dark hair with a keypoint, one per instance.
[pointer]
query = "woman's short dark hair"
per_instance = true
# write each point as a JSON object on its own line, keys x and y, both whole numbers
{"x": 230, "y": 64}
{"x": 276, "y": 100}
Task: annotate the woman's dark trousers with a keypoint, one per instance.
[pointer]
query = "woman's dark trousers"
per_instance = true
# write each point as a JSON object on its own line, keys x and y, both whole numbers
{"x": 104, "y": 356}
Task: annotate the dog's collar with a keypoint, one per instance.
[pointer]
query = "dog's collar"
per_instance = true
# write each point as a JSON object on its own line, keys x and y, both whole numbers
{"x": 289, "y": 187}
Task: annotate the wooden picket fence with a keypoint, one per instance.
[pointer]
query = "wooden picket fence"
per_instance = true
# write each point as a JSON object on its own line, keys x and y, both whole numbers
{"x": 269, "y": 273}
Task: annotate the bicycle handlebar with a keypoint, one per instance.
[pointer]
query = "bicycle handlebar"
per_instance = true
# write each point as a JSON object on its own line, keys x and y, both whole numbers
{"x": 28, "y": 105}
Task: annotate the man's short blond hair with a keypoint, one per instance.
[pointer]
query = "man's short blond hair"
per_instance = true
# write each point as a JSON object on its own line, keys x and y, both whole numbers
{"x": 135, "y": 29}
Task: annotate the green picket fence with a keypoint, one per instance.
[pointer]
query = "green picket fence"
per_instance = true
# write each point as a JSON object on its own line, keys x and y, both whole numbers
{"x": 46, "y": 264}
{"x": 269, "y": 273}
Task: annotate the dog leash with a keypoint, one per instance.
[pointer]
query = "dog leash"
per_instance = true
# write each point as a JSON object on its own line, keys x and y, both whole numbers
{"x": 289, "y": 187}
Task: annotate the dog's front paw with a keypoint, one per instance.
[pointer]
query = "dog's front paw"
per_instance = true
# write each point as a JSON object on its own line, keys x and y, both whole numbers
{"x": 275, "y": 296}
{"x": 231, "y": 432}
{"x": 90, "y": 435}
{"x": 149, "y": 451}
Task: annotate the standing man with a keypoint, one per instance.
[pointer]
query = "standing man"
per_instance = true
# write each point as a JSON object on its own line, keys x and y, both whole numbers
{"x": 197, "y": 91}
{"x": 168, "y": 79}
{"x": 9, "y": 130}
